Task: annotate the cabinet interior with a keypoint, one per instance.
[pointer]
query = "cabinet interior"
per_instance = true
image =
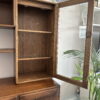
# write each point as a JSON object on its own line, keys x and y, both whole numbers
{"x": 34, "y": 43}
{"x": 6, "y": 17}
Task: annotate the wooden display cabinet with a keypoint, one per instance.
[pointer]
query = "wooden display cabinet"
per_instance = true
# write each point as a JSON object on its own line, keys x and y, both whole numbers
{"x": 35, "y": 33}
{"x": 36, "y": 40}
{"x": 35, "y": 23}
{"x": 39, "y": 90}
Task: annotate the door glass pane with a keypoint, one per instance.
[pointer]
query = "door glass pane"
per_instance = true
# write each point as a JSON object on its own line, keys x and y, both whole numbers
{"x": 71, "y": 40}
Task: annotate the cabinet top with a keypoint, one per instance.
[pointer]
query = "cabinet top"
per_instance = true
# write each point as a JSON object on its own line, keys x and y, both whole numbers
{"x": 9, "y": 88}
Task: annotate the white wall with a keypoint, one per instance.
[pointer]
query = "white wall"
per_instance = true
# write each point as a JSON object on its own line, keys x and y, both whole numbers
{"x": 6, "y": 59}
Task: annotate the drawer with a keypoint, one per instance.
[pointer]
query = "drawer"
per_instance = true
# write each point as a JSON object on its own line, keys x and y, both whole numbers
{"x": 9, "y": 98}
{"x": 37, "y": 95}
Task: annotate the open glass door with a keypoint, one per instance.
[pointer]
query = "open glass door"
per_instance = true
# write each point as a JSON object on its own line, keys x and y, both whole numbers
{"x": 73, "y": 40}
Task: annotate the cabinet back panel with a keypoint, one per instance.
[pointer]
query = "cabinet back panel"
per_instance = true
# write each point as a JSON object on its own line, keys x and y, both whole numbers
{"x": 6, "y": 17}
{"x": 34, "y": 45}
{"x": 33, "y": 66}
{"x": 33, "y": 19}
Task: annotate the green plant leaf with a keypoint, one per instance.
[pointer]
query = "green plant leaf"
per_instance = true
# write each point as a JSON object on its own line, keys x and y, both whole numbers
{"x": 77, "y": 78}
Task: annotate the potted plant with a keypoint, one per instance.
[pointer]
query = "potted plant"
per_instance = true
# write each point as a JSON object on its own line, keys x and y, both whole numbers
{"x": 94, "y": 74}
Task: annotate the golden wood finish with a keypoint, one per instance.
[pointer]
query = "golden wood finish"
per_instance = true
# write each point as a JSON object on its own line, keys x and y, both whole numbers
{"x": 7, "y": 26}
{"x": 28, "y": 91}
{"x": 32, "y": 31}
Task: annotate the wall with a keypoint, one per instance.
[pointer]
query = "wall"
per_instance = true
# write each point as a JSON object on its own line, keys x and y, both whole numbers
{"x": 6, "y": 59}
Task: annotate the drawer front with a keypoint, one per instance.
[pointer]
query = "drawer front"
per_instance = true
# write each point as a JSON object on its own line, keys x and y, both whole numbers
{"x": 9, "y": 98}
{"x": 48, "y": 95}
{"x": 41, "y": 95}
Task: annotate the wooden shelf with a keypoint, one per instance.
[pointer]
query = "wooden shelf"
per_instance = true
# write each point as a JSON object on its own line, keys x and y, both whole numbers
{"x": 36, "y": 58}
{"x": 33, "y": 31}
{"x": 35, "y": 4}
{"x": 29, "y": 77}
{"x": 34, "y": 46}
{"x": 7, "y": 26}
{"x": 6, "y": 50}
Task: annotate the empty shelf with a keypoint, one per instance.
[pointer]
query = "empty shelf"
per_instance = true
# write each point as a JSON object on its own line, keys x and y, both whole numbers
{"x": 29, "y": 77}
{"x": 32, "y": 31}
{"x": 6, "y": 26}
{"x": 36, "y": 58}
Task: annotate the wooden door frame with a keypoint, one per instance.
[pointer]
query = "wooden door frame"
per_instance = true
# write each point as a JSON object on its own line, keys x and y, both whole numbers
{"x": 84, "y": 83}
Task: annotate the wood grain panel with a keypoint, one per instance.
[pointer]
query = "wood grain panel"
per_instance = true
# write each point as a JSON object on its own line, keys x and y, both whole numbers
{"x": 10, "y": 89}
{"x": 34, "y": 45}
{"x": 33, "y": 66}
{"x": 51, "y": 94}
{"x": 6, "y": 17}
{"x": 33, "y": 19}
{"x": 34, "y": 70}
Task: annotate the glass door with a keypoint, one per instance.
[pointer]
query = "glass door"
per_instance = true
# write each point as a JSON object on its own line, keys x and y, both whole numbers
{"x": 73, "y": 40}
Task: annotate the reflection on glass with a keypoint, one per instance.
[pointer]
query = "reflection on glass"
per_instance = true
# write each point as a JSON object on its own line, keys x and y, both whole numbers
{"x": 94, "y": 74}
{"x": 95, "y": 55}
{"x": 71, "y": 41}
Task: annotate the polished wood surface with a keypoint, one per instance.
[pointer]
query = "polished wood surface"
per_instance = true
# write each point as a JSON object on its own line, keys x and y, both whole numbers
{"x": 32, "y": 31}
{"x": 30, "y": 18}
{"x": 6, "y": 50}
{"x": 8, "y": 89}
